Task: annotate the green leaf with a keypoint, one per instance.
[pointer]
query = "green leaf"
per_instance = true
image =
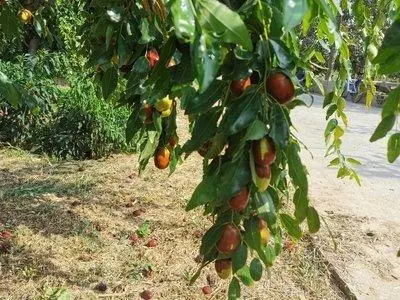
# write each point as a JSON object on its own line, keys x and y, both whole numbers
{"x": 267, "y": 255}
{"x": 313, "y": 220}
{"x": 11, "y": 94}
{"x": 239, "y": 258}
{"x": 206, "y": 99}
{"x": 265, "y": 207}
{"x": 209, "y": 240}
{"x": 234, "y": 289}
{"x": 256, "y": 131}
{"x": 204, "y": 129}
{"x": 242, "y": 112}
{"x": 300, "y": 200}
{"x": 134, "y": 124}
{"x": 233, "y": 177}
{"x": 148, "y": 148}
{"x": 244, "y": 276}
{"x": 9, "y": 23}
{"x": 252, "y": 233}
{"x": 184, "y": 19}
{"x": 392, "y": 103}
{"x": 293, "y": 12}
{"x": 109, "y": 82}
{"x": 388, "y": 56}
{"x": 207, "y": 59}
{"x": 296, "y": 169}
{"x": 256, "y": 269}
{"x": 279, "y": 126}
{"x": 330, "y": 127}
{"x": 204, "y": 193}
{"x": 331, "y": 110}
{"x": 353, "y": 161}
{"x": 109, "y": 34}
{"x": 328, "y": 99}
{"x": 184, "y": 72}
{"x": 285, "y": 60}
{"x": 393, "y": 147}
{"x": 219, "y": 19}
{"x": 291, "y": 226}
{"x": 383, "y": 128}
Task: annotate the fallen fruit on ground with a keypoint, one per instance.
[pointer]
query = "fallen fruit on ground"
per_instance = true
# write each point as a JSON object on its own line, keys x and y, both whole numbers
{"x": 6, "y": 234}
{"x": 230, "y": 239}
{"x": 262, "y": 177}
{"x": 264, "y": 152}
{"x": 239, "y": 86}
{"x": 161, "y": 158}
{"x": 153, "y": 57}
{"x": 280, "y": 87}
{"x": 146, "y": 295}
{"x": 206, "y": 290}
{"x": 240, "y": 200}
{"x": 101, "y": 286}
{"x": 133, "y": 238}
{"x": 264, "y": 232}
{"x": 152, "y": 243}
{"x": 25, "y": 16}
{"x": 223, "y": 268}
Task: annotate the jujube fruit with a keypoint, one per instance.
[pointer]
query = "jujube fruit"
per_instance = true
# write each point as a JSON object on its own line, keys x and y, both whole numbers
{"x": 161, "y": 158}
{"x": 149, "y": 114}
{"x": 264, "y": 232}
{"x": 264, "y": 152}
{"x": 262, "y": 177}
{"x": 223, "y": 268}
{"x": 164, "y": 104}
{"x": 239, "y": 86}
{"x": 240, "y": 201}
{"x": 280, "y": 87}
{"x": 25, "y": 15}
{"x": 153, "y": 57}
{"x": 206, "y": 290}
{"x": 146, "y": 295}
{"x": 230, "y": 239}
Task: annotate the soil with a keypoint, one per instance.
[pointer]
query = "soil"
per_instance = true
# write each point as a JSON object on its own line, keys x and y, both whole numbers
{"x": 364, "y": 221}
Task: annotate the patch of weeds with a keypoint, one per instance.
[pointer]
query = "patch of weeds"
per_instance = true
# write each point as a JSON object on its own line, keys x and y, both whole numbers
{"x": 144, "y": 229}
{"x": 140, "y": 270}
{"x": 55, "y": 293}
{"x": 29, "y": 272}
{"x": 87, "y": 229}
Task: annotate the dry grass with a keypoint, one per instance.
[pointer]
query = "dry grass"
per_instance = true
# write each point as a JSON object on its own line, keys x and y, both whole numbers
{"x": 71, "y": 222}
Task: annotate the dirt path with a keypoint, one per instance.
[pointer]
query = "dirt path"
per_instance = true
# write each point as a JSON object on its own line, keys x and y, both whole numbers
{"x": 365, "y": 221}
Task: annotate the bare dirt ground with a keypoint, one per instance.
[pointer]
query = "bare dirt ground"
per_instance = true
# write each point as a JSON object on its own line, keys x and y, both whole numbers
{"x": 365, "y": 221}
{"x": 71, "y": 222}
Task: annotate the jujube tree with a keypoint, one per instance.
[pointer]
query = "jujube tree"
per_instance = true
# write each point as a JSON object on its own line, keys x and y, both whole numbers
{"x": 229, "y": 67}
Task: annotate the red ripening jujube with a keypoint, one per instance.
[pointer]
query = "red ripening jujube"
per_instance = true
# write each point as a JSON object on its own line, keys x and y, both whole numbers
{"x": 240, "y": 85}
{"x": 240, "y": 201}
{"x": 152, "y": 57}
{"x": 264, "y": 152}
{"x": 148, "y": 109}
{"x": 230, "y": 239}
{"x": 161, "y": 158}
{"x": 280, "y": 87}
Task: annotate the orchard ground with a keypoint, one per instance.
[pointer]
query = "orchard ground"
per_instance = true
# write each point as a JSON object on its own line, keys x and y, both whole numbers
{"x": 71, "y": 223}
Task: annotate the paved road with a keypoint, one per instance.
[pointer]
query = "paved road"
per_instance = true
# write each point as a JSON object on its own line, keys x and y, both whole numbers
{"x": 372, "y": 269}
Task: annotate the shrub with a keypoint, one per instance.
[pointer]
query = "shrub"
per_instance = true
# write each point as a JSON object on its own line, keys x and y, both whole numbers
{"x": 84, "y": 126}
